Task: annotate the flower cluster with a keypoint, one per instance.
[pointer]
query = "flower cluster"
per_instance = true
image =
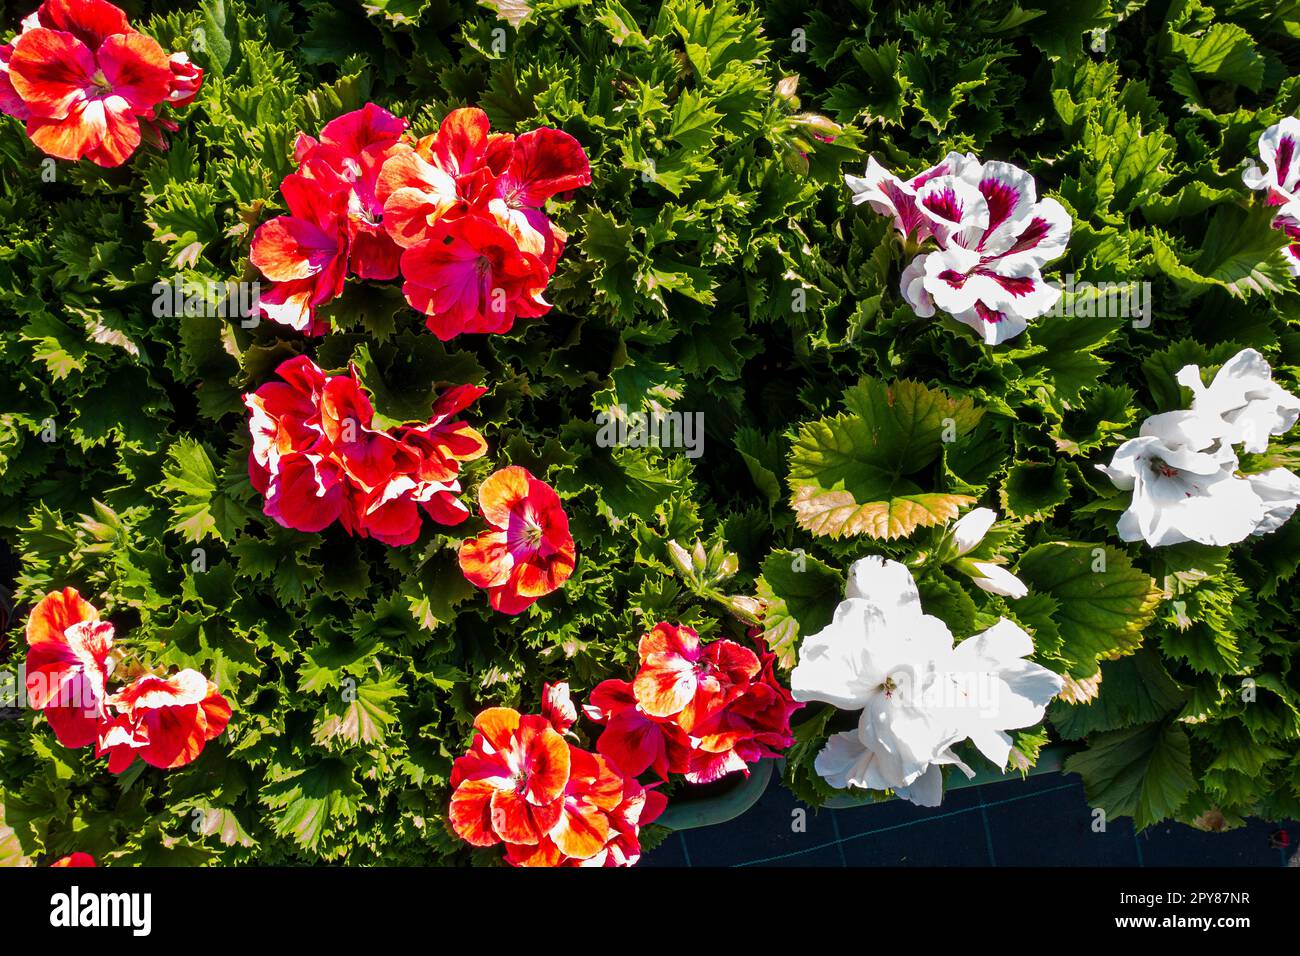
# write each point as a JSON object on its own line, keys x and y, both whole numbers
{"x": 1182, "y": 467}
{"x": 318, "y": 459}
{"x": 166, "y": 721}
{"x": 703, "y": 710}
{"x": 528, "y": 552}
{"x": 993, "y": 237}
{"x": 919, "y": 695}
{"x": 1279, "y": 150}
{"x": 458, "y": 214}
{"x": 551, "y": 803}
{"x": 89, "y": 85}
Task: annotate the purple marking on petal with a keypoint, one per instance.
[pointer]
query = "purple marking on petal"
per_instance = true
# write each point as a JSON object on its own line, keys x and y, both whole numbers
{"x": 987, "y": 314}
{"x": 1016, "y": 285}
{"x": 1034, "y": 233}
{"x": 1285, "y": 153}
{"x": 953, "y": 278}
{"x": 945, "y": 205}
{"x": 1002, "y": 199}
{"x": 929, "y": 174}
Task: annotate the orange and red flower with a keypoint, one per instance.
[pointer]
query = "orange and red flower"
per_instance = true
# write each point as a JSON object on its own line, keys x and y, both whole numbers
{"x": 88, "y": 85}
{"x": 458, "y": 214}
{"x": 549, "y": 802}
{"x": 165, "y": 721}
{"x": 528, "y": 553}
{"x": 317, "y": 457}
{"x": 67, "y": 665}
{"x": 304, "y": 254}
{"x": 509, "y": 787}
{"x": 703, "y": 710}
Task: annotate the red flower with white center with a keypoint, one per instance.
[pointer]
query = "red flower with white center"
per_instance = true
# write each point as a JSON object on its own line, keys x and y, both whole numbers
{"x": 508, "y": 788}
{"x": 67, "y": 665}
{"x": 353, "y": 150}
{"x": 87, "y": 84}
{"x": 164, "y": 721}
{"x": 1279, "y": 148}
{"x": 305, "y": 254}
{"x": 529, "y": 552}
{"x": 470, "y": 275}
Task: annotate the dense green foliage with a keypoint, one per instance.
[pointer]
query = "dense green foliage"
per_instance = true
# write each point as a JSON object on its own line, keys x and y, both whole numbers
{"x": 711, "y": 268}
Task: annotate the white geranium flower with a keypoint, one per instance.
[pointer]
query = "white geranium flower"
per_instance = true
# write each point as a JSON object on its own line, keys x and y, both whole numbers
{"x": 1185, "y": 486}
{"x": 918, "y": 696}
{"x": 969, "y": 530}
{"x": 966, "y": 534}
{"x": 1247, "y": 400}
{"x": 1017, "y": 691}
{"x": 996, "y": 579}
{"x": 1279, "y": 489}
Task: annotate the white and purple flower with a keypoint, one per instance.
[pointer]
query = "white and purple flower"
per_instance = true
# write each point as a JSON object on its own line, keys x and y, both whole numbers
{"x": 993, "y": 236}
{"x": 1279, "y": 149}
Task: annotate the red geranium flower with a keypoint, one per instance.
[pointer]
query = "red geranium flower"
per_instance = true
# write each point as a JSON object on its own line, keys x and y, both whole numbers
{"x": 633, "y": 740}
{"x": 508, "y": 787}
{"x": 164, "y": 721}
{"x": 549, "y": 802}
{"x": 470, "y": 275}
{"x": 67, "y": 669}
{"x": 75, "y": 859}
{"x": 305, "y": 254}
{"x": 87, "y": 84}
{"x": 701, "y": 710}
{"x": 543, "y": 163}
{"x": 318, "y": 458}
{"x": 529, "y": 552}
{"x": 558, "y": 707}
{"x": 442, "y": 176}
{"x": 352, "y": 150}
{"x": 679, "y": 677}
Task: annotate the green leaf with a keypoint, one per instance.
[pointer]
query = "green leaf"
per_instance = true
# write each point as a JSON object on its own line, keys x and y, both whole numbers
{"x": 362, "y": 719}
{"x": 199, "y": 508}
{"x": 1033, "y": 490}
{"x": 1144, "y": 772}
{"x": 1225, "y": 53}
{"x": 801, "y": 593}
{"x": 1241, "y": 253}
{"x": 1134, "y": 690}
{"x": 849, "y": 473}
{"x": 312, "y": 801}
{"x": 1105, "y": 602}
